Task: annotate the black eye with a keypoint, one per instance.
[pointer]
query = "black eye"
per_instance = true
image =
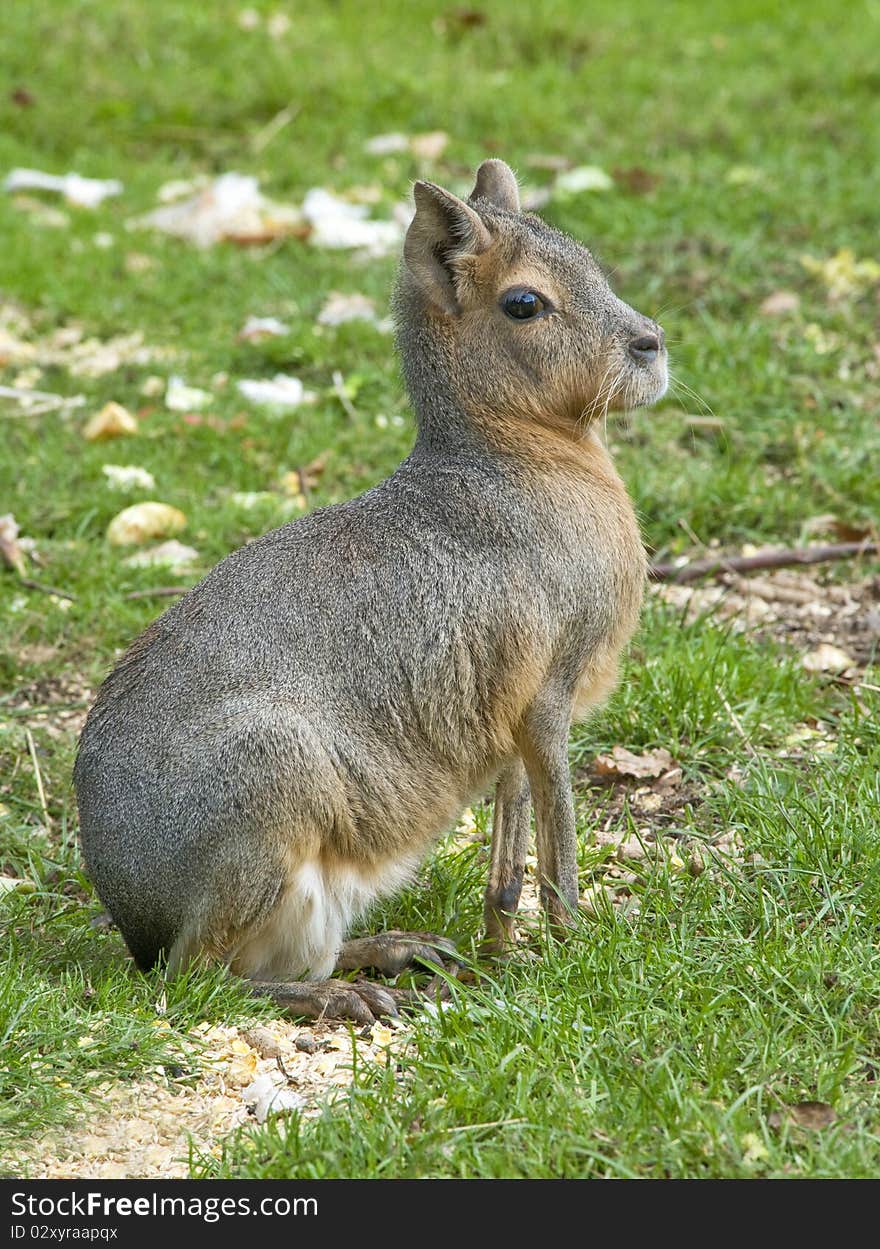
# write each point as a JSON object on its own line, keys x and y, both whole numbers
{"x": 522, "y": 304}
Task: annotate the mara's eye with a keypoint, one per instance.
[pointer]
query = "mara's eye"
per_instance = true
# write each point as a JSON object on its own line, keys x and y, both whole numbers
{"x": 523, "y": 304}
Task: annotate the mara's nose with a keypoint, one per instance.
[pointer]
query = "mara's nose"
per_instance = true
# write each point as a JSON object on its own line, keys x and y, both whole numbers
{"x": 646, "y": 348}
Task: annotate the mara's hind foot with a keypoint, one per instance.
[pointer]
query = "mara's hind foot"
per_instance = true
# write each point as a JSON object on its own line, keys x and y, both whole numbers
{"x": 392, "y": 952}
{"x": 361, "y": 1002}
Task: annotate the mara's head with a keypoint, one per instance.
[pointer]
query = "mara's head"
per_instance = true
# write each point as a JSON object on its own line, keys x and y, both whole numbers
{"x": 517, "y": 317}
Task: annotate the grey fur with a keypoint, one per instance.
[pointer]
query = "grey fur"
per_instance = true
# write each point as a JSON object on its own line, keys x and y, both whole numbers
{"x": 337, "y": 691}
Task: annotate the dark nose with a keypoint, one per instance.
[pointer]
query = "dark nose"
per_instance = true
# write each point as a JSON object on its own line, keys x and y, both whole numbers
{"x": 646, "y": 348}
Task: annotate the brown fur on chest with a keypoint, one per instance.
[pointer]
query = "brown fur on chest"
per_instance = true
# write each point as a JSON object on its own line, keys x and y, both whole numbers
{"x": 578, "y": 482}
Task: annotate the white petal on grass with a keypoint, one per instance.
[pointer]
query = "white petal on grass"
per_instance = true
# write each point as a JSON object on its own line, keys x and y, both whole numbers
{"x": 84, "y": 192}
{"x": 583, "y": 178}
{"x": 170, "y": 554}
{"x": 282, "y": 391}
{"x": 337, "y": 224}
{"x": 128, "y": 477}
{"x": 256, "y": 328}
{"x": 182, "y": 398}
{"x": 231, "y": 207}
{"x": 268, "y": 1094}
{"x": 340, "y": 308}
{"x": 387, "y": 144}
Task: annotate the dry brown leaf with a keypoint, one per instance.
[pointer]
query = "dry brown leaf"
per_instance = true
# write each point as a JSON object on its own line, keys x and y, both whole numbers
{"x": 429, "y": 146}
{"x": 113, "y": 421}
{"x": 14, "y": 884}
{"x": 842, "y": 529}
{"x": 636, "y": 180}
{"x": 144, "y": 521}
{"x": 623, "y": 763}
{"x": 813, "y": 1115}
{"x": 10, "y": 551}
{"x": 779, "y": 303}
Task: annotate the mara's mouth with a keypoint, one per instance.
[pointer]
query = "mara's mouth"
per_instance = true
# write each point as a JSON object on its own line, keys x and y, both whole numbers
{"x": 630, "y": 389}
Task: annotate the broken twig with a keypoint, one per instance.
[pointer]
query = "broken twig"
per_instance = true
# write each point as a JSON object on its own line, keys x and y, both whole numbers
{"x": 29, "y": 738}
{"x": 159, "y": 591}
{"x": 781, "y": 558}
{"x": 46, "y": 589}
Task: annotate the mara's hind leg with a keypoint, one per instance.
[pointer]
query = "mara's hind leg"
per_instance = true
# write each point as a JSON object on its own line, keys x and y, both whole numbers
{"x": 511, "y": 823}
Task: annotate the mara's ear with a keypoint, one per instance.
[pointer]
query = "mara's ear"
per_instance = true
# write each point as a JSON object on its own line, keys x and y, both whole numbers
{"x": 444, "y": 230}
{"x": 496, "y": 183}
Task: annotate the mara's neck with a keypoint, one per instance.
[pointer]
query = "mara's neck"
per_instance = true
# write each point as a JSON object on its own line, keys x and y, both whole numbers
{"x": 443, "y": 424}
{"x": 445, "y": 427}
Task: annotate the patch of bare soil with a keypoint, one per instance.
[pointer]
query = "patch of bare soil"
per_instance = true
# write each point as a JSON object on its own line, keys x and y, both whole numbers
{"x": 56, "y": 703}
{"x": 789, "y": 606}
{"x": 145, "y": 1130}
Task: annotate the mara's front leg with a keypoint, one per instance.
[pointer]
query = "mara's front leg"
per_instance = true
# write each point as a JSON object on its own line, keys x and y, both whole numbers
{"x": 511, "y": 821}
{"x": 544, "y": 747}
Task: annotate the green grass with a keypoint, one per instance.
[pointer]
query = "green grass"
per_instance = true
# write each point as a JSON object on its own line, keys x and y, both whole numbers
{"x": 651, "y": 1045}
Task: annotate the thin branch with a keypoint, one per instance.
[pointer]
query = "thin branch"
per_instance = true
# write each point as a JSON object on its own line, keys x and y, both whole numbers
{"x": 782, "y": 558}
{"x": 339, "y": 391}
{"x": 736, "y": 722}
{"x": 29, "y": 738}
{"x": 159, "y": 591}
{"x": 46, "y": 589}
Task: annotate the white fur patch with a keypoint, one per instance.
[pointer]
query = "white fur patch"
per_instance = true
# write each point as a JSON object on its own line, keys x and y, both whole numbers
{"x": 305, "y": 932}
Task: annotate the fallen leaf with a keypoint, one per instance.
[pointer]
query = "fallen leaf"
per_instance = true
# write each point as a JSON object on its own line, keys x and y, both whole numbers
{"x": 827, "y": 658}
{"x": 340, "y": 309}
{"x": 754, "y": 1149}
{"x": 636, "y": 180}
{"x": 457, "y": 22}
{"x": 429, "y": 146}
{"x": 843, "y": 274}
{"x": 300, "y": 480}
{"x": 277, "y": 25}
{"x": 813, "y": 1115}
{"x": 182, "y": 398}
{"x": 249, "y": 19}
{"x": 84, "y": 192}
{"x": 631, "y": 849}
{"x": 779, "y": 303}
{"x": 623, "y": 763}
{"x": 743, "y": 175}
{"x": 10, "y": 548}
{"x": 143, "y": 522}
{"x": 261, "y": 1040}
{"x": 829, "y": 523}
{"x": 113, "y": 421}
{"x": 13, "y": 884}
{"x": 822, "y": 341}
{"x": 42, "y": 214}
